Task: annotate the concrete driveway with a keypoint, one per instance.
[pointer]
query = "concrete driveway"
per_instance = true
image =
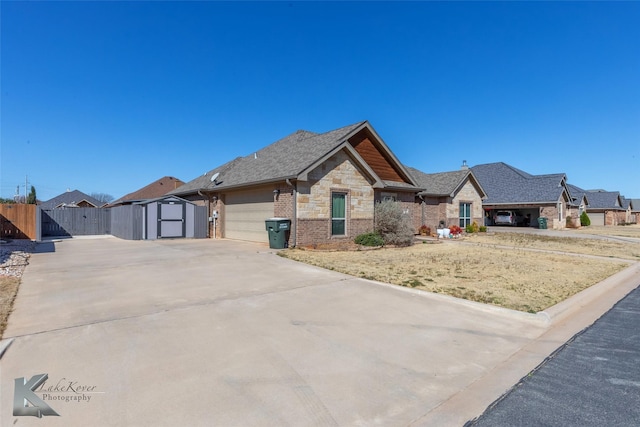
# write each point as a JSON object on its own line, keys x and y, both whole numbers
{"x": 226, "y": 333}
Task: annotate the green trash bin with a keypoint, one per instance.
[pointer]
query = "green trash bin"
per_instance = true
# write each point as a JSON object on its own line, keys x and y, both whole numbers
{"x": 278, "y": 229}
{"x": 542, "y": 223}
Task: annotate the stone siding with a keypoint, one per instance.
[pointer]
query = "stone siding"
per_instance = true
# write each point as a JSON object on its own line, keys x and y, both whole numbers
{"x": 337, "y": 174}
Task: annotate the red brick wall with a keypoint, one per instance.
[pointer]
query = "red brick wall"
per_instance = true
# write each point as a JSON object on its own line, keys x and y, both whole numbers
{"x": 314, "y": 231}
{"x": 283, "y": 204}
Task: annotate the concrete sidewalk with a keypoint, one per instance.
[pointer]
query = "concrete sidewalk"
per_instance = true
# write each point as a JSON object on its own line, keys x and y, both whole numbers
{"x": 217, "y": 332}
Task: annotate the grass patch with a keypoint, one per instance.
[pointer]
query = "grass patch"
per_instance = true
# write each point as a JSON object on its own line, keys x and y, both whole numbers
{"x": 495, "y": 269}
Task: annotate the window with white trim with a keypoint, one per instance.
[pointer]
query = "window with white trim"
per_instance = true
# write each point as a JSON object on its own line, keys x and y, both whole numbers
{"x": 465, "y": 214}
{"x": 560, "y": 213}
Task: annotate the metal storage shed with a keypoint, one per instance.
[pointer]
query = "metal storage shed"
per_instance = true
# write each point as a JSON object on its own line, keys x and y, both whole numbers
{"x": 164, "y": 217}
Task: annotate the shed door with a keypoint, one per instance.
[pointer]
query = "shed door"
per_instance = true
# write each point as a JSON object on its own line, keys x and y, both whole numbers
{"x": 245, "y": 213}
{"x": 171, "y": 219}
{"x": 596, "y": 218}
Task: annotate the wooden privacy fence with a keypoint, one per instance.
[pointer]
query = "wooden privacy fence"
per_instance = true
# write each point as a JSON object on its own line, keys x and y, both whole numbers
{"x": 76, "y": 221}
{"x": 18, "y": 221}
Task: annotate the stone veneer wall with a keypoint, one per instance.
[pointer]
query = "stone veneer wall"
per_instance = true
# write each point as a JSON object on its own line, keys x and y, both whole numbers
{"x": 337, "y": 174}
{"x": 467, "y": 194}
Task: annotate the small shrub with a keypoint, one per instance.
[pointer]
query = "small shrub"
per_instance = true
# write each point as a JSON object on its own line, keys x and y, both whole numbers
{"x": 392, "y": 224}
{"x": 472, "y": 228}
{"x": 584, "y": 219}
{"x": 369, "y": 239}
{"x": 482, "y": 229}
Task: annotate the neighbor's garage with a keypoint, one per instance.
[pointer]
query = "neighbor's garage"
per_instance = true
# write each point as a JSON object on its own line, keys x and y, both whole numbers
{"x": 596, "y": 218}
{"x": 245, "y": 214}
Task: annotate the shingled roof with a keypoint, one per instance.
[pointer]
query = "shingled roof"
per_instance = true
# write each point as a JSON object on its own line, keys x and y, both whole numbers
{"x": 286, "y": 158}
{"x": 70, "y": 199}
{"x": 156, "y": 189}
{"x": 600, "y": 199}
{"x": 443, "y": 183}
{"x": 577, "y": 194}
{"x": 505, "y": 184}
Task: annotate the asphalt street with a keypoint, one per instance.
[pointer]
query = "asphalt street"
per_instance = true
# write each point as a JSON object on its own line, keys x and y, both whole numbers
{"x": 593, "y": 380}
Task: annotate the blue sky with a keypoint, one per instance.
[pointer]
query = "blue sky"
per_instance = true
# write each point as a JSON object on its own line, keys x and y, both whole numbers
{"x": 110, "y": 96}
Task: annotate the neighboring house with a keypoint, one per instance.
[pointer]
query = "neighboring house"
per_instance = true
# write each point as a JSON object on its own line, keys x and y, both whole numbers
{"x": 327, "y": 184}
{"x": 154, "y": 190}
{"x": 627, "y": 217}
{"x": 531, "y": 196}
{"x": 635, "y": 211}
{"x": 604, "y": 207}
{"x": 72, "y": 199}
{"x": 578, "y": 203}
{"x": 448, "y": 198}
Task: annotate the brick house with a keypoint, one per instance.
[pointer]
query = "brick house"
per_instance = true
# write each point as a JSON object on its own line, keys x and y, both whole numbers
{"x": 577, "y": 205}
{"x": 156, "y": 189}
{"x": 448, "y": 198}
{"x": 628, "y": 217}
{"x": 605, "y": 207}
{"x": 327, "y": 184}
{"x": 532, "y": 196}
{"x": 634, "y": 218}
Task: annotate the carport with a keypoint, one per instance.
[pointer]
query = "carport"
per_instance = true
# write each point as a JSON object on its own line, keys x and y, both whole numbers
{"x": 530, "y": 212}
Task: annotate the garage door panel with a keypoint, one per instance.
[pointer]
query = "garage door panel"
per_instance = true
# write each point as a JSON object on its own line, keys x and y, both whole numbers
{"x": 245, "y": 214}
{"x": 596, "y": 218}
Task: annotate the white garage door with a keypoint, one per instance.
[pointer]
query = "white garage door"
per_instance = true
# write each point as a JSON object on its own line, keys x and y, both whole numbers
{"x": 245, "y": 213}
{"x": 596, "y": 218}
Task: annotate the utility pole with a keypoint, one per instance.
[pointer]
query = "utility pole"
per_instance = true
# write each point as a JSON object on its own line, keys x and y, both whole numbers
{"x": 25, "y": 189}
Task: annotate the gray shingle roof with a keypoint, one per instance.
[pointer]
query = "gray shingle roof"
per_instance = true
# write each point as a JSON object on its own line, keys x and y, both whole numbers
{"x": 505, "y": 184}
{"x": 439, "y": 184}
{"x": 576, "y": 194}
{"x": 285, "y": 158}
{"x": 71, "y": 198}
{"x": 635, "y": 205}
{"x": 604, "y": 200}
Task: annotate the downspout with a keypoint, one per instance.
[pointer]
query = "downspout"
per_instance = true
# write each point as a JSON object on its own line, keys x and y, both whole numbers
{"x": 294, "y": 220}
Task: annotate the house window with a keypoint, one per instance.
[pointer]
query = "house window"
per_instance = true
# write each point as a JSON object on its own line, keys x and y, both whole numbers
{"x": 338, "y": 214}
{"x": 560, "y": 213}
{"x": 465, "y": 214}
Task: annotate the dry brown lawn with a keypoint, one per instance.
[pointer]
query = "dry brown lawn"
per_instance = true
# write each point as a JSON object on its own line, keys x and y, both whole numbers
{"x": 576, "y": 245}
{"x": 524, "y": 272}
{"x": 620, "y": 230}
{"x": 8, "y": 291}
